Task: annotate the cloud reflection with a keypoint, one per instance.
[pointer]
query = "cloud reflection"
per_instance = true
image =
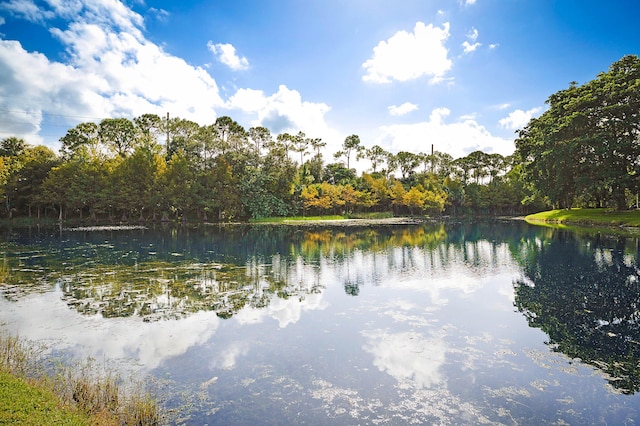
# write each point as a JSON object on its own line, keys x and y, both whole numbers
{"x": 47, "y": 318}
{"x": 285, "y": 311}
{"x": 408, "y": 357}
{"x": 230, "y": 354}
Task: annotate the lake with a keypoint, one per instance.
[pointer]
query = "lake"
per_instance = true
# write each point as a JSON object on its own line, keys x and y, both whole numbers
{"x": 461, "y": 323}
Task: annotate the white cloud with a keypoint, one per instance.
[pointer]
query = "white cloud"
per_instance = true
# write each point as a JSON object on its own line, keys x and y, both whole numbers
{"x": 403, "y": 109}
{"x": 469, "y": 2}
{"x": 408, "y": 56}
{"x": 468, "y": 47}
{"x": 228, "y": 356}
{"x": 458, "y": 138}
{"x": 47, "y": 317}
{"x": 472, "y": 44}
{"x": 518, "y": 119}
{"x": 26, "y": 9}
{"x": 473, "y": 34}
{"x": 159, "y": 14}
{"x": 226, "y": 54}
{"x": 112, "y": 70}
{"x": 407, "y": 357}
{"x": 285, "y": 111}
{"x": 493, "y": 46}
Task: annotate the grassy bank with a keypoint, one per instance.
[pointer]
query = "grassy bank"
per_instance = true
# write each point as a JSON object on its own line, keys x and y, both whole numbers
{"x": 22, "y": 403}
{"x": 365, "y": 216}
{"x": 35, "y": 392}
{"x": 588, "y": 217}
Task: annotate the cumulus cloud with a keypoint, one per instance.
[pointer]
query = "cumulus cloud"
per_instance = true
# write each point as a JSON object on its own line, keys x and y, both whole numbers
{"x": 457, "y": 138}
{"x": 226, "y": 54}
{"x": 111, "y": 70}
{"x": 403, "y": 109}
{"x": 471, "y": 44}
{"x": 518, "y": 119}
{"x": 408, "y": 56}
{"x": 407, "y": 357}
{"x": 285, "y": 111}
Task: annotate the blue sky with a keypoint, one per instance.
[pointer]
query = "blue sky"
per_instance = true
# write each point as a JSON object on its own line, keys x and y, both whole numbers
{"x": 404, "y": 74}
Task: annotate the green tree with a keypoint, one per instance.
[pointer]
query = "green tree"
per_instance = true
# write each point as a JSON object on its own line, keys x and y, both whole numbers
{"x": 261, "y": 137}
{"x": 407, "y": 162}
{"x": 301, "y": 144}
{"x": 36, "y": 162}
{"x": 586, "y": 145}
{"x": 376, "y": 155}
{"x": 118, "y": 134}
{"x": 12, "y": 147}
{"x": 82, "y": 135}
{"x": 350, "y": 145}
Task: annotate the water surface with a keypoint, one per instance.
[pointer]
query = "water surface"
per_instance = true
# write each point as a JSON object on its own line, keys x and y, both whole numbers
{"x": 490, "y": 323}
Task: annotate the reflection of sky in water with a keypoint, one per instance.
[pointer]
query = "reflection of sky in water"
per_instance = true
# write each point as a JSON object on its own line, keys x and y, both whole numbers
{"x": 408, "y": 357}
{"x": 47, "y": 317}
{"x": 432, "y": 337}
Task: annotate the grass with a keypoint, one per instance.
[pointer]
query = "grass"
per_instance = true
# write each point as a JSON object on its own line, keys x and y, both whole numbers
{"x": 296, "y": 219}
{"x": 81, "y": 394}
{"x": 374, "y": 215}
{"x": 589, "y": 217}
{"x": 28, "y": 404}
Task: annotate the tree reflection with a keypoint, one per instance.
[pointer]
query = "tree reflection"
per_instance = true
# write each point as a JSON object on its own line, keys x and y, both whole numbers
{"x": 172, "y": 273}
{"x": 584, "y": 292}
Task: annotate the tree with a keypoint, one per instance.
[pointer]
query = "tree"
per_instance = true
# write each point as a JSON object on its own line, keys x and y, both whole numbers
{"x": 285, "y": 141}
{"x": 36, "y": 163}
{"x": 82, "y": 135}
{"x": 118, "y": 134}
{"x": 230, "y": 134}
{"x": 588, "y": 141}
{"x": 225, "y": 196}
{"x": 455, "y": 193}
{"x": 261, "y": 137}
{"x": 178, "y": 182}
{"x": 351, "y": 144}
{"x": 148, "y": 128}
{"x": 478, "y": 163}
{"x": 183, "y": 136}
{"x": 135, "y": 179}
{"x": 300, "y": 144}
{"x": 376, "y": 155}
{"x": 12, "y": 147}
{"x": 407, "y": 162}
{"x": 338, "y": 174}
{"x": 413, "y": 199}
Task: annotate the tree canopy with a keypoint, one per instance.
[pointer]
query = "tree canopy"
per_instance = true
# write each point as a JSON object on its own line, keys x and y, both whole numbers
{"x": 584, "y": 150}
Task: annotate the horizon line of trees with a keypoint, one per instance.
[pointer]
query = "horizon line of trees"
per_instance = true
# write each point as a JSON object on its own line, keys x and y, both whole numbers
{"x": 583, "y": 151}
{"x": 120, "y": 170}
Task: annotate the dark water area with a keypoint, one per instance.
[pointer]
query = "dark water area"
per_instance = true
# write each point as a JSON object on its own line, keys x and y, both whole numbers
{"x": 483, "y": 323}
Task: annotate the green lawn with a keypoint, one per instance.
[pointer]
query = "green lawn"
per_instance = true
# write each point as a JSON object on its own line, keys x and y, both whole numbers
{"x": 25, "y": 404}
{"x": 591, "y": 217}
{"x": 374, "y": 215}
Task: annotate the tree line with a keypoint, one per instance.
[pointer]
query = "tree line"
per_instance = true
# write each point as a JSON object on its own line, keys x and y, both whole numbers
{"x": 583, "y": 151}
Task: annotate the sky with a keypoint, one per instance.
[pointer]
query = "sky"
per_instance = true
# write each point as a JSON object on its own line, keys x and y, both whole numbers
{"x": 461, "y": 75}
